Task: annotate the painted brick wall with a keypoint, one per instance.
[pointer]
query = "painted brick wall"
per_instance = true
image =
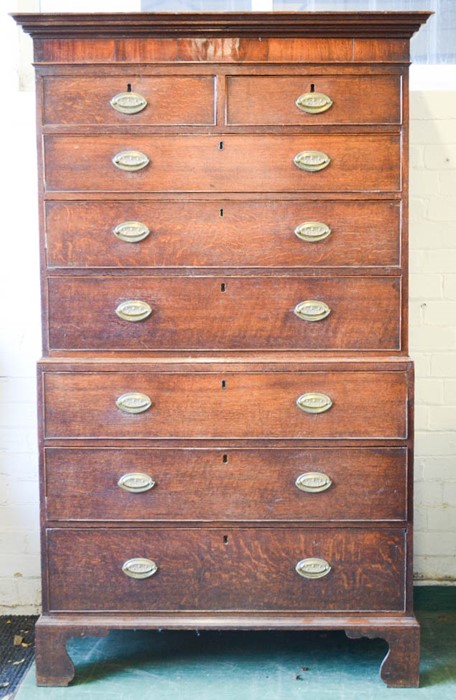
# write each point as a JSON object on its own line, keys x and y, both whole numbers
{"x": 432, "y": 316}
{"x": 433, "y": 329}
{"x": 19, "y": 335}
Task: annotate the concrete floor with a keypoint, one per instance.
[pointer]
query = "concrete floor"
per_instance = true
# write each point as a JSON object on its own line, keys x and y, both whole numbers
{"x": 256, "y": 665}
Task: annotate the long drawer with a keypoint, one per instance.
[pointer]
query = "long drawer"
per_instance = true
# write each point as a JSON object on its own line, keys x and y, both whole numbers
{"x": 162, "y": 100}
{"x": 108, "y": 484}
{"x": 324, "y": 99}
{"x": 226, "y": 569}
{"x": 235, "y": 404}
{"x": 222, "y": 233}
{"x": 224, "y": 163}
{"x": 196, "y": 313}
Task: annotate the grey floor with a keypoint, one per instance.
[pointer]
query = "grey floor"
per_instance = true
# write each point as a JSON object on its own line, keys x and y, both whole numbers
{"x": 256, "y": 665}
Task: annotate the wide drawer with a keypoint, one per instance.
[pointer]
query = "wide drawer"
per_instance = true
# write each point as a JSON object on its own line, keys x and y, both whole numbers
{"x": 226, "y": 569}
{"x": 223, "y": 233}
{"x": 224, "y": 485}
{"x": 325, "y": 99}
{"x": 164, "y": 100}
{"x": 197, "y": 313}
{"x": 224, "y": 163}
{"x": 234, "y": 404}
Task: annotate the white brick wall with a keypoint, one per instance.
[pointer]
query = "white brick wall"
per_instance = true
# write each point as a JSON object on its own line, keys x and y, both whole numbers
{"x": 433, "y": 328}
{"x": 19, "y": 336}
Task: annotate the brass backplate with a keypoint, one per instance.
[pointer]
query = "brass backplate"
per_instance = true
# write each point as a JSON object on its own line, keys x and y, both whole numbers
{"x": 139, "y": 568}
{"x": 128, "y": 102}
{"x": 131, "y": 231}
{"x": 314, "y": 102}
{"x": 313, "y": 482}
{"x": 133, "y": 402}
{"x": 133, "y": 310}
{"x": 130, "y": 160}
{"x": 314, "y": 402}
{"x": 313, "y": 568}
{"x": 312, "y": 231}
{"x": 312, "y": 310}
{"x": 311, "y": 161}
{"x": 136, "y": 482}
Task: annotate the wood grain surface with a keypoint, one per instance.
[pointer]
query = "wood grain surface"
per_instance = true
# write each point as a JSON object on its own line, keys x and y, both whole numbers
{"x": 240, "y": 405}
{"x": 198, "y": 313}
{"x": 223, "y": 163}
{"x": 171, "y": 99}
{"x": 267, "y": 100}
{"x": 223, "y": 233}
{"x": 258, "y": 484}
{"x": 226, "y": 569}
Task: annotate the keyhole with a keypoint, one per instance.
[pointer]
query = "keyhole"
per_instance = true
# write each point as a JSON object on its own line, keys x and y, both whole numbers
{"x": 312, "y": 87}
{"x": 220, "y": 146}
{"x": 221, "y": 212}
{"x": 225, "y": 539}
{"x": 223, "y": 287}
{"x": 129, "y": 87}
{"x": 223, "y": 384}
{"x": 225, "y": 459}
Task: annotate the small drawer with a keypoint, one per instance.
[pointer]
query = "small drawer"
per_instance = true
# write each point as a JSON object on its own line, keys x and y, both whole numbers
{"x": 160, "y": 100}
{"x": 202, "y": 569}
{"x": 225, "y": 163}
{"x": 207, "y": 313}
{"x": 106, "y": 484}
{"x": 274, "y": 404}
{"x": 313, "y": 99}
{"x": 223, "y": 233}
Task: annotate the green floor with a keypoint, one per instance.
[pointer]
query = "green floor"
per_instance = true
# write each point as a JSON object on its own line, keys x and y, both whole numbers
{"x": 256, "y": 665}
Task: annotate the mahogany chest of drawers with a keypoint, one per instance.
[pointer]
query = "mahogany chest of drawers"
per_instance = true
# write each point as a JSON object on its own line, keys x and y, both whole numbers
{"x": 225, "y": 396}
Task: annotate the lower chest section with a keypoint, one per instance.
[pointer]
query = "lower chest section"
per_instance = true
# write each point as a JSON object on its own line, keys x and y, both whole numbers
{"x": 221, "y": 487}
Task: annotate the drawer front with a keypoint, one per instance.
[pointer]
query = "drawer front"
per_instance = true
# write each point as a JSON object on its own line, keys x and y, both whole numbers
{"x": 268, "y": 100}
{"x": 197, "y": 313}
{"x": 165, "y": 100}
{"x": 224, "y": 163}
{"x": 166, "y": 485}
{"x": 239, "y": 405}
{"x": 223, "y": 233}
{"x": 226, "y": 569}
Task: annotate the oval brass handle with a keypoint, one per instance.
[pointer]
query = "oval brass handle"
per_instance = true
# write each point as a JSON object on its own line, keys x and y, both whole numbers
{"x": 130, "y": 160}
{"x": 314, "y": 102}
{"x": 128, "y": 102}
{"x": 139, "y": 568}
{"x": 314, "y": 402}
{"x": 312, "y": 310}
{"x": 313, "y": 568}
{"x": 313, "y": 482}
{"x": 136, "y": 482}
{"x": 312, "y": 231}
{"x": 133, "y": 310}
{"x": 131, "y": 231}
{"x": 133, "y": 402}
{"x": 311, "y": 161}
